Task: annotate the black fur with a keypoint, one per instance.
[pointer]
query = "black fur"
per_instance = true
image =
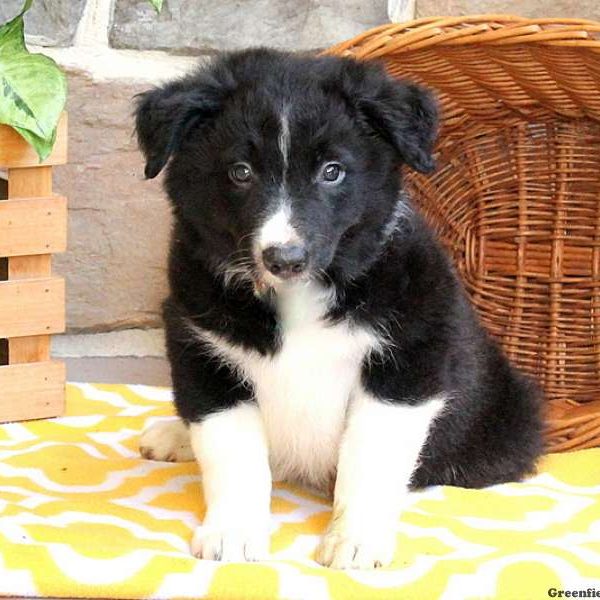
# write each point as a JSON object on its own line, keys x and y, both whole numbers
{"x": 395, "y": 280}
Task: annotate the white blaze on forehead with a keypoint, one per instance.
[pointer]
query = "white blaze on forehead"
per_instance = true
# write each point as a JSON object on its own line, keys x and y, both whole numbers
{"x": 277, "y": 230}
{"x": 284, "y": 139}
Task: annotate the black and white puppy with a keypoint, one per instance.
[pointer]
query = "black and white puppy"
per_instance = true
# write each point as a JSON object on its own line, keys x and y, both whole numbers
{"x": 315, "y": 328}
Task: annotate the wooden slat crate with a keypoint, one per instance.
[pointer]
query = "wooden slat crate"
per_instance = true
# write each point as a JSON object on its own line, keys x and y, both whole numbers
{"x": 33, "y": 226}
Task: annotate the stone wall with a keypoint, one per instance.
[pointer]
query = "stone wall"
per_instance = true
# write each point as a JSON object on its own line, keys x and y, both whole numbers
{"x": 111, "y": 50}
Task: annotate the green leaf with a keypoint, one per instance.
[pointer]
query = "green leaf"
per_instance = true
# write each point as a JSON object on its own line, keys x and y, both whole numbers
{"x": 157, "y": 5}
{"x": 33, "y": 89}
{"x": 42, "y": 146}
{"x": 26, "y": 7}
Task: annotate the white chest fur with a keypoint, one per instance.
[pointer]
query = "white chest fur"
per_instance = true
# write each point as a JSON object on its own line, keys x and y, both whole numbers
{"x": 304, "y": 389}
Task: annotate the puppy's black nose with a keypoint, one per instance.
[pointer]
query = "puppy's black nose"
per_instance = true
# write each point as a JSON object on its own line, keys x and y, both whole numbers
{"x": 285, "y": 261}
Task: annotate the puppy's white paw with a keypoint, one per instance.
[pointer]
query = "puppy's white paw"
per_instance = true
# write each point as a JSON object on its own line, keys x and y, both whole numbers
{"x": 231, "y": 544}
{"x": 167, "y": 441}
{"x": 339, "y": 550}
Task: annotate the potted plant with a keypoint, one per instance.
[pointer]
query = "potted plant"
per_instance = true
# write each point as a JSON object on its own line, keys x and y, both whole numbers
{"x": 32, "y": 227}
{"x": 34, "y": 89}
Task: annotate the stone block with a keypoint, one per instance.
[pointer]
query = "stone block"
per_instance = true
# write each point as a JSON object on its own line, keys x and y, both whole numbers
{"x": 118, "y": 223}
{"x": 204, "y": 25}
{"x": 48, "y": 22}
{"x": 583, "y": 9}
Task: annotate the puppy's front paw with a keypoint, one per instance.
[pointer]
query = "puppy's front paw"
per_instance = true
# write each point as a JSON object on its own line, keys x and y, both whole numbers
{"x": 167, "y": 441}
{"x": 231, "y": 544}
{"x": 340, "y": 550}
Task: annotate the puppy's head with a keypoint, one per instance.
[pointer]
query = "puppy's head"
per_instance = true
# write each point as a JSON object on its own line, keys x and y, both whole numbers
{"x": 286, "y": 167}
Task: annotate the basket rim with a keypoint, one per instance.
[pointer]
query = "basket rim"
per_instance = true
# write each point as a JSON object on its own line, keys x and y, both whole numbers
{"x": 487, "y": 29}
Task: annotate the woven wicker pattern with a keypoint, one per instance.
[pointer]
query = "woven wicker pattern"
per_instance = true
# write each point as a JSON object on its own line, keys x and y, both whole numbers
{"x": 516, "y": 197}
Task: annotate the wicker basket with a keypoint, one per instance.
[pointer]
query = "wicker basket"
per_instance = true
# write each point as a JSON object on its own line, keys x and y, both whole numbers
{"x": 516, "y": 196}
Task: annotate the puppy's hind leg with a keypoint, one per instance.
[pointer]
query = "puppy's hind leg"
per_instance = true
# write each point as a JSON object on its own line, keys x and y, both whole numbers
{"x": 167, "y": 441}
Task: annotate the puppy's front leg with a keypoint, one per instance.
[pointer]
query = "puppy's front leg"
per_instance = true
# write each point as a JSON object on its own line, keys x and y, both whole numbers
{"x": 379, "y": 452}
{"x": 231, "y": 447}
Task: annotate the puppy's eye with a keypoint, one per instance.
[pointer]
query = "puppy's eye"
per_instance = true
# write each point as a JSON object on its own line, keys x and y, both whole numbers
{"x": 240, "y": 173}
{"x": 332, "y": 173}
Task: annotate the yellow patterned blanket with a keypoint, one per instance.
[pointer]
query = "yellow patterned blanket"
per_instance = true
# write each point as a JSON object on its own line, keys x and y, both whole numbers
{"x": 82, "y": 516}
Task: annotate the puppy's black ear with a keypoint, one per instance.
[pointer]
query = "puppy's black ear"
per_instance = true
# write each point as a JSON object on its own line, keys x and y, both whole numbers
{"x": 164, "y": 115}
{"x": 403, "y": 113}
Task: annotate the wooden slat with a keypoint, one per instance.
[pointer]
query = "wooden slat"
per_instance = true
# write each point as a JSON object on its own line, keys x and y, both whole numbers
{"x": 30, "y": 267}
{"x": 16, "y": 152}
{"x": 30, "y": 182}
{"x": 28, "y": 349}
{"x": 31, "y": 307}
{"x": 33, "y": 226}
{"x": 34, "y": 391}
{"x": 26, "y": 183}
